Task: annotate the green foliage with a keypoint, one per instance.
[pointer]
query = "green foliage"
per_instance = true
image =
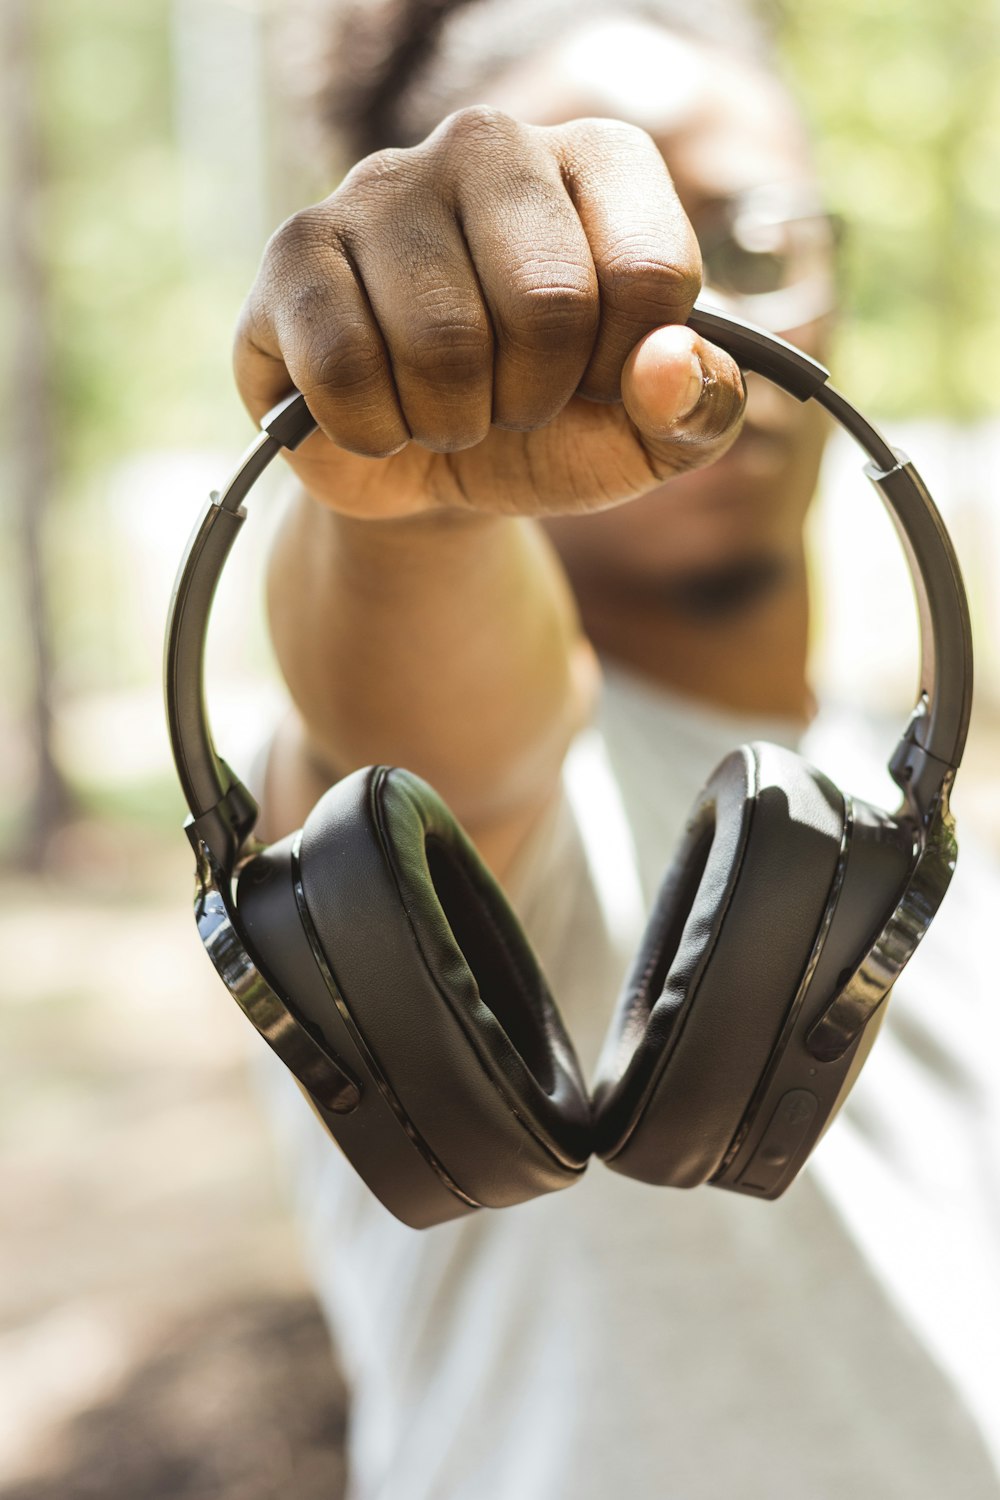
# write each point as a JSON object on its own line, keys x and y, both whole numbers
{"x": 141, "y": 334}
{"x": 904, "y": 98}
{"x": 139, "y": 322}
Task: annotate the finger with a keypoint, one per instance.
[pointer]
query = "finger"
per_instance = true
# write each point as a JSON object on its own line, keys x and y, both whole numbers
{"x": 307, "y": 322}
{"x": 425, "y": 294}
{"x": 645, "y": 254}
{"x": 685, "y": 397}
{"x": 533, "y": 263}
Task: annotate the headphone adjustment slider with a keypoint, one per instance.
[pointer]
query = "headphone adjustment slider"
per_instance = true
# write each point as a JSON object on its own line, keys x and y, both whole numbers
{"x": 305, "y": 1053}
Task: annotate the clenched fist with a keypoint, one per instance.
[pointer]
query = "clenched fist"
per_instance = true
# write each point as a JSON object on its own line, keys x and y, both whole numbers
{"x": 491, "y": 320}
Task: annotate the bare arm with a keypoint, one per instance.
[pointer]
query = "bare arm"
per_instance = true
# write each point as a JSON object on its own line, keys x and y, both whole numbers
{"x": 486, "y": 329}
{"x": 448, "y": 644}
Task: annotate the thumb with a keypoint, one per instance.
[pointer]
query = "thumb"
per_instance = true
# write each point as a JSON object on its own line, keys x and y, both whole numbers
{"x": 684, "y": 396}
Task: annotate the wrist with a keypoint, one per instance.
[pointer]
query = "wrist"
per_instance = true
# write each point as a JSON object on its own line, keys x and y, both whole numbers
{"x": 439, "y": 530}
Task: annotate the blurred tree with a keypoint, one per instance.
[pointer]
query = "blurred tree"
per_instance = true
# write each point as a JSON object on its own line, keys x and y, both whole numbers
{"x": 30, "y": 408}
{"x": 904, "y": 96}
{"x": 133, "y": 339}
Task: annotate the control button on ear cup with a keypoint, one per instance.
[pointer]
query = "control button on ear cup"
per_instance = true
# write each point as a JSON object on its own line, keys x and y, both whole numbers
{"x": 719, "y": 966}
{"x": 443, "y": 987}
{"x": 797, "y": 1099}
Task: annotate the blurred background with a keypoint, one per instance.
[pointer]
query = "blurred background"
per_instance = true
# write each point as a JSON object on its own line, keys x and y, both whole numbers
{"x": 156, "y": 1336}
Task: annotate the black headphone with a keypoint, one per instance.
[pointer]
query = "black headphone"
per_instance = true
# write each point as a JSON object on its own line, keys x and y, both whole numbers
{"x": 379, "y": 958}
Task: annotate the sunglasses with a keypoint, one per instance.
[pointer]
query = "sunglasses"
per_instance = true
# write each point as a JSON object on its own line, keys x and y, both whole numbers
{"x": 771, "y": 255}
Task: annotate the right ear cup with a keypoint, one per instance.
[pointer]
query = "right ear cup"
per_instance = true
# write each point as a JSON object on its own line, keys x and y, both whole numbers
{"x": 719, "y": 967}
{"x": 450, "y": 1020}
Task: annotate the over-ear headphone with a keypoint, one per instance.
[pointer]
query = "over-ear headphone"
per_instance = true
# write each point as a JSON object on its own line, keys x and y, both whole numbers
{"x": 379, "y": 958}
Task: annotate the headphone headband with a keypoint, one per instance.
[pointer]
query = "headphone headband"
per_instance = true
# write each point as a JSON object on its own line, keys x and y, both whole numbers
{"x": 872, "y": 881}
{"x": 932, "y": 743}
{"x": 940, "y": 721}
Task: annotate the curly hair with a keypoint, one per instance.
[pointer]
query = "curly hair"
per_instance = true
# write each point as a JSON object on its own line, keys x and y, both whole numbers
{"x": 383, "y": 73}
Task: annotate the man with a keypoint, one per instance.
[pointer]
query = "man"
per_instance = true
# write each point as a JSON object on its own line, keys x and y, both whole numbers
{"x": 532, "y": 480}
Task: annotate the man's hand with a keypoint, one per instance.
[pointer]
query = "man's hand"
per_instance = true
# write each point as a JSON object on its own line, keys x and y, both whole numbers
{"x": 490, "y": 321}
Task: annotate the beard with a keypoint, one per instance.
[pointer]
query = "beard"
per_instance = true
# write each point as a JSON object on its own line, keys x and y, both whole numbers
{"x": 719, "y": 593}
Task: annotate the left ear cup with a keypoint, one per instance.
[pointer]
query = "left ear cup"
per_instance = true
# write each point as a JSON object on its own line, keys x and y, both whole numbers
{"x": 443, "y": 988}
{"x": 719, "y": 967}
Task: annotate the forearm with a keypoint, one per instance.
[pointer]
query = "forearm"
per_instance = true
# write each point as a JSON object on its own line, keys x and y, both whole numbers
{"x": 446, "y": 312}
{"x": 446, "y": 643}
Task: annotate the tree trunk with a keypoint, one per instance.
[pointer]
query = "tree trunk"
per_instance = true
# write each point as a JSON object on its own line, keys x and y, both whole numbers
{"x": 30, "y": 406}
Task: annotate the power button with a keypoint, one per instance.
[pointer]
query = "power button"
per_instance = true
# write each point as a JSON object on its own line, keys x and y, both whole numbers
{"x": 781, "y": 1140}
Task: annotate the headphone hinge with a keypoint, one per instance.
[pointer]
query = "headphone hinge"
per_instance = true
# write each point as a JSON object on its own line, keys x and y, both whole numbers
{"x": 224, "y": 828}
{"x": 920, "y": 776}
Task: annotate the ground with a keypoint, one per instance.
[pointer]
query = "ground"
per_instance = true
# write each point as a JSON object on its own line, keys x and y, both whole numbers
{"x": 156, "y": 1334}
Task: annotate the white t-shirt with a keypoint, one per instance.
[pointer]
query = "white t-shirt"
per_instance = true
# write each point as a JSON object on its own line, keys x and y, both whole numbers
{"x": 615, "y": 1339}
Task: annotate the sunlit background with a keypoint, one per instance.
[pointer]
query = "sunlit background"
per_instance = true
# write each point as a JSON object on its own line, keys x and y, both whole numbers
{"x": 150, "y": 1300}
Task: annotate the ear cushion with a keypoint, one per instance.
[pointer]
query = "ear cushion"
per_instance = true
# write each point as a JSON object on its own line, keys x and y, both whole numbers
{"x": 719, "y": 966}
{"x": 443, "y": 986}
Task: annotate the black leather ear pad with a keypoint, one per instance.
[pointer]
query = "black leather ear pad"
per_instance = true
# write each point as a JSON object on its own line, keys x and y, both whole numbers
{"x": 720, "y": 963}
{"x": 443, "y": 986}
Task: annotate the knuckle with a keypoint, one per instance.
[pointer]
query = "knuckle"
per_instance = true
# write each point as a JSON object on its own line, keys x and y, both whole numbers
{"x": 380, "y": 440}
{"x": 448, "y": 350}
{"x": 453, "y": 433}
{"x": 596, "y": 138}
{"x": 349, "y": 365}
{"x": 561, "y": 310}
{"x": 723, "y": 412}
{"x": 376, "y": 173}
{"x": 476, "y": 122}
{"x": 670, "y": 461}
{"x": 618, "y": 132}
{"x": 300, "y": 313}
{"x": 297, "y": 238}
{"x": 637, "y": 280}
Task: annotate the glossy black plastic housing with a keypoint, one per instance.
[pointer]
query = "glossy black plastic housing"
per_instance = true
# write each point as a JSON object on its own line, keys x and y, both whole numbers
{"x": 941, "y": 720}
{"x": 764, "y": 353}
{"x": 219, "y": 803}
{"x": 202, "y": 779}
{"x": 828, "y": 1028}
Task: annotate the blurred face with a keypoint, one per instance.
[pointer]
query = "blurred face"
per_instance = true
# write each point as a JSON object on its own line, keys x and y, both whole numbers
{"x": 737, "y": 153}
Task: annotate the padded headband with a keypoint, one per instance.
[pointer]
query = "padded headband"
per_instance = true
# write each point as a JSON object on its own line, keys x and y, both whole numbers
{"x": 931, "y": 746}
